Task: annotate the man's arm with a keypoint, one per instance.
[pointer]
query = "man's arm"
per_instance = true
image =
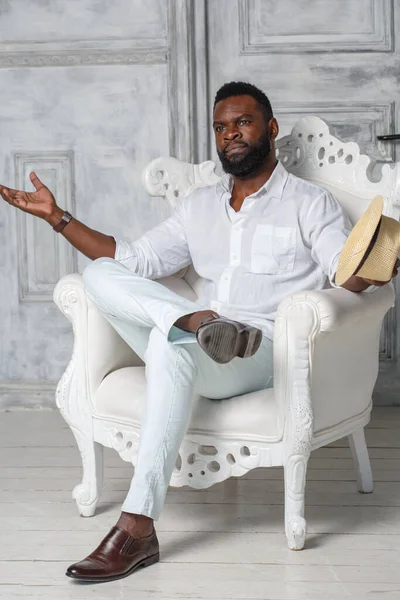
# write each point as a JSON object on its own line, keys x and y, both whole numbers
{"x": 356, "y": 284}
{"x": 90, "y": 242}
{"x": 161, "y": 251}
{"x": 327, "y": 228}
{"x": 42, "y": 204}
{"x": 359, "y": 284}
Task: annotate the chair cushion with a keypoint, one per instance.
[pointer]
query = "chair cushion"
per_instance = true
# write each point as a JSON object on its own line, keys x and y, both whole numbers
{"x": 253, "y": 416}
{"x": 194, "y": 280}
{"x": 179, "y": 286}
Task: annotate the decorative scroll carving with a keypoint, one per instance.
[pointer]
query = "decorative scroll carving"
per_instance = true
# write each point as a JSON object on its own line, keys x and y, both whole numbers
{"x": 72, "y": 397}
{"x": 200, "y": 465}
{"x": 173, "y": 179}
{"x": 312, "y": 152}
{"x": 302, "y": 328}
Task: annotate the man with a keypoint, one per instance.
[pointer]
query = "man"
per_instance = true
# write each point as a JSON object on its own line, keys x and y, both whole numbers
{"x": 256, "y": 236}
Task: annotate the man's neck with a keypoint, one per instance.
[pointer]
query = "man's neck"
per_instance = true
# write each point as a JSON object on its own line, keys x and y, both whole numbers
{"x": 245, "y": 186}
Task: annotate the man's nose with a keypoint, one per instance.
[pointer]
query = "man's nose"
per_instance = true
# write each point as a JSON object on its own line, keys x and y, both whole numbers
{"x": 232, "y": 133}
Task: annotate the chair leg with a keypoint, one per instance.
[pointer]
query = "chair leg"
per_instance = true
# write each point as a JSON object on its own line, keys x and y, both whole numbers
{"x": 87, "y": 493}
{"x": 362, "y": 465}
{"x": 295, "y": 470}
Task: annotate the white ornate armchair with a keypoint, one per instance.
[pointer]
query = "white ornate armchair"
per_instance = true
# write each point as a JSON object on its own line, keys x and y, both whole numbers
{"x": 326, "y": 354}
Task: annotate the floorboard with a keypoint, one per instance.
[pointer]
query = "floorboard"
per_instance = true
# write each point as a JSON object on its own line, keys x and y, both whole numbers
{"x": 226, "y": 542}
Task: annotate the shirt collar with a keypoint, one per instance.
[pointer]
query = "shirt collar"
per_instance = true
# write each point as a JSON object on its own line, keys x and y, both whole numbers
{"x": 273, "y": 187}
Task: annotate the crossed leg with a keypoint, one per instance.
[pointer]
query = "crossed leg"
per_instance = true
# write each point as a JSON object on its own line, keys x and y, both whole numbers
{"x": 144, "y": 312}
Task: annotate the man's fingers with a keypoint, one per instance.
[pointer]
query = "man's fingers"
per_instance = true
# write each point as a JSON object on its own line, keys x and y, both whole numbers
{"x": 13, "y": 197}
{"x": 5, "y": 193}
{"x": 376, "y": 283}
{"x": 36, "y": 181}
{"x": 10, "y": 191}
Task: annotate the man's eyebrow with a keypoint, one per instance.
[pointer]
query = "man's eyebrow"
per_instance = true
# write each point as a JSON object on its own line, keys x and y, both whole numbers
{"x": 245, "y": 115}
{"x": 235, "y": 119}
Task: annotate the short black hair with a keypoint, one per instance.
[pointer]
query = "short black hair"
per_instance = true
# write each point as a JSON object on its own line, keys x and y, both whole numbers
{"x": 241, "y": 88}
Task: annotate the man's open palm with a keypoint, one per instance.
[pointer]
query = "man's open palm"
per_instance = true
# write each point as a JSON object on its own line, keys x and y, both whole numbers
{"x": 40, "y": 203}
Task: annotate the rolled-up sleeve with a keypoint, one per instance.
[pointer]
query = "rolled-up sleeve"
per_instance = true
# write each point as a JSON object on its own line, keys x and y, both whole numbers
{"x": 160, "y": 252}
{"x": 328, "y": 228}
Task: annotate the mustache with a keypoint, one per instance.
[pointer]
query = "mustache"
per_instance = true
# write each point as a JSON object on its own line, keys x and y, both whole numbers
{"x": 243, "y": 144}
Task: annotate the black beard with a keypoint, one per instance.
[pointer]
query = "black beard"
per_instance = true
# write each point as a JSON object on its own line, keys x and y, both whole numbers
{"x": 251, "y": 161}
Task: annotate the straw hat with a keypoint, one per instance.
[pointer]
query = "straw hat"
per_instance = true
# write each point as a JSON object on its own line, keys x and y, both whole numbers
{"x": 374, "y": 232}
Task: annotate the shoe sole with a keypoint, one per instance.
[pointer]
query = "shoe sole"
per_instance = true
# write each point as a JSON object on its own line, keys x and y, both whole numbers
{"x": 146, "y": 562}
{"x": 223, "y": 341}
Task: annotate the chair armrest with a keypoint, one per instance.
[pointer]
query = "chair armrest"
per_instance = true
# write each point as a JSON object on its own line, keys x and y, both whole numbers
{"x": 338, "y": 307}
{"x": 326, "y": 359}
{"x": 98, "y": 348}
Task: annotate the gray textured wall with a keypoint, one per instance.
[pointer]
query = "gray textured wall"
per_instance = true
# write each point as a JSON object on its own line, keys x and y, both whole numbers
{"x": 92, "y": 90}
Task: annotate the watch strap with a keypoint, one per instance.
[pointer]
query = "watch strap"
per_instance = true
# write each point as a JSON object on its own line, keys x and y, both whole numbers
{"x": 65, "y": 219}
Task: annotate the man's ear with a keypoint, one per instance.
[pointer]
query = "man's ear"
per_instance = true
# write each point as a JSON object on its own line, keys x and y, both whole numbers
{"x": 273, "y": 128}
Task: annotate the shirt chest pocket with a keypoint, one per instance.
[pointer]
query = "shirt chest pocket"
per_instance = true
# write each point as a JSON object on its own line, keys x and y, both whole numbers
{"x": 273, "y": 249}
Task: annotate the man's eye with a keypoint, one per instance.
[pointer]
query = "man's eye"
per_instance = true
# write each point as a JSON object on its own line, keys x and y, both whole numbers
{"x": 244, "y": 122}
{"x": 219, "y": 128}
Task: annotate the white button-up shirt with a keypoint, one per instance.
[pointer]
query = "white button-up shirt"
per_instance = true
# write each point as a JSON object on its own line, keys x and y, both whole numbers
{"x": 286, "y": 237}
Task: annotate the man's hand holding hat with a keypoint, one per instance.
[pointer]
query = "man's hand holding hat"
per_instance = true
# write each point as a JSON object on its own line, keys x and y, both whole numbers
{"x": 370, "y": 254}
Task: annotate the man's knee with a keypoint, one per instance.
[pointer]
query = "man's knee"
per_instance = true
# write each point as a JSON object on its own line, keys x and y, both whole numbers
{"x": 158, "y": 340}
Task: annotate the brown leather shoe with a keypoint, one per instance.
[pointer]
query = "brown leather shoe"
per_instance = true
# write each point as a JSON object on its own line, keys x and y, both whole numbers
{"x": 117, "y": 556}
{"x": 223, "y": 339}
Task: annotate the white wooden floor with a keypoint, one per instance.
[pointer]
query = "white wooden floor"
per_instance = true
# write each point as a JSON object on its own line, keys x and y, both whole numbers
{"x": 223, "y": 543}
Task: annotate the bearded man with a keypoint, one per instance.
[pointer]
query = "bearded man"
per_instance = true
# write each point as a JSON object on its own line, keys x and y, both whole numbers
{"x": 255, "y": 237}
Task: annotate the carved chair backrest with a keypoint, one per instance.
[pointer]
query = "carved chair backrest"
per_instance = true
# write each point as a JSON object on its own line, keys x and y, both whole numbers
{"x": 310, "y": 151}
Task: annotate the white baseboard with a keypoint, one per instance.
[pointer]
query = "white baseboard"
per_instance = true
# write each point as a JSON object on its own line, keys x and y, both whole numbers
{"x": 21, "y": 395}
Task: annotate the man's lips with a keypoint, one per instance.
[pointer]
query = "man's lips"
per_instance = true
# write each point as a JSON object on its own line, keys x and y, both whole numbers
{"x": 234, "y": 148}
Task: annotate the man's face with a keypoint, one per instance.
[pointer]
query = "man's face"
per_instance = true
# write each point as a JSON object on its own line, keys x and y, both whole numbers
{"x": 242, "y": 135}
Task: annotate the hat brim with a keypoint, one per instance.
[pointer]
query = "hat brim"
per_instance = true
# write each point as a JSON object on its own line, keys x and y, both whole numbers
{"x": 358, "y": 241}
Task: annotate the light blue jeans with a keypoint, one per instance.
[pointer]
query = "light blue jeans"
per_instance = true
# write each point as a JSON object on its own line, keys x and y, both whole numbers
{"x": 143, "y": 313}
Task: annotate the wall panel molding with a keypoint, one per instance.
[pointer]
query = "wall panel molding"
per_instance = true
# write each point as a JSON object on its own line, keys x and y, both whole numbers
{"x": 181, "y": 79}
{"x": 80, "y": 53}
{"x": 73, "y": 59}
{"x": 187, "y": 78}
{"x": 43, "y": 256}
{"x": 254, "y": 40}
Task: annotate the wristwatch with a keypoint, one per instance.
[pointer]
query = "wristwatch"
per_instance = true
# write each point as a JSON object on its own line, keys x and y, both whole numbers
{"x": 65, "y": 219}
